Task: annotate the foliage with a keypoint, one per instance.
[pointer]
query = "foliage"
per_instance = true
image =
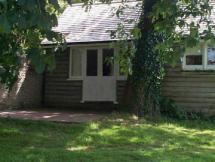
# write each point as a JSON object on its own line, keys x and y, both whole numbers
{"x": 147, "y": 64}
{"x": 24, "y": 24}
{"x": 173, "y": 18}
{"x": 117, "y": 138}
{"x": 170, "y": 109}
{"x": 163, "y": 24}
{"x": 159, "y": 39}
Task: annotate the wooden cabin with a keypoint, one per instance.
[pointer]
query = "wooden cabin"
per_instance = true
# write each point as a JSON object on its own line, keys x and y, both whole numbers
{"x": 83, "y": 78}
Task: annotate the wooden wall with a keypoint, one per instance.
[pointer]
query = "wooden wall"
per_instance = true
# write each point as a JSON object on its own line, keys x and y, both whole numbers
{"x": 60, "y": 92}
{"x": 194, "y": 91}
{"x": 120, "y": 91}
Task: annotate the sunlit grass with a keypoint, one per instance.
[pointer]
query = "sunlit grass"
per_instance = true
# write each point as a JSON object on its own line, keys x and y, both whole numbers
{"x": 117, "y": 138}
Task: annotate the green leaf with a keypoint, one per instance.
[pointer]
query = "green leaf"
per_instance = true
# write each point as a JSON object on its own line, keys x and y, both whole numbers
{"x": 4, "y": 25}
{"x": 4, "y": 3}
{"x": 55, "y": 3}
{"x": 36, "y": 59}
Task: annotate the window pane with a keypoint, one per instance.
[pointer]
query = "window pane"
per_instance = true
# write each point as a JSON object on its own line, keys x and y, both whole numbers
{"x": 194, "y": 60}
{"x": 76, "y": 69}
{"x": 92, "y": 58}
{"x": 211, "y": 56}
{"x": 194, "y": 55}
{"x": 194, "y": 51}
{"x": 108, "y": 62}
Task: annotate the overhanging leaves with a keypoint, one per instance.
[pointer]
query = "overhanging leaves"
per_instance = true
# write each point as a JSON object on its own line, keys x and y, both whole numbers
{"x": 4, "y": 25}
{"x": 24, "y": 24}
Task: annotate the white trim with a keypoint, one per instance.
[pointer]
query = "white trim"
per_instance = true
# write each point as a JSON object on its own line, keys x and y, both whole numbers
{"x": 99, "y": 47}
{"x": 74, "y": 78}
{"x": 84, "y": 63}
{"x": 204, "y": 56}
{"x": 121, "y": 78}
{"x": 70, "y": 63}
{"x": 95, "y": 45}
{"x": 99, "y": 63}
{"x": 204, "y": 65}
{"x": 117, "y": 68}
{"x": 88, "y": 81}
{"x": 208, "y": 67}
{"x": 70, "y": 67}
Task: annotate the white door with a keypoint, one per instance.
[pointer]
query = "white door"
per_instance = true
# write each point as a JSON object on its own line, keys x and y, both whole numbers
{"x": 99, "y": 82}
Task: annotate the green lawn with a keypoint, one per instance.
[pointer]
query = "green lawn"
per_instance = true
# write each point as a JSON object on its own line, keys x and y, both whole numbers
{"x": 115, "y": 139}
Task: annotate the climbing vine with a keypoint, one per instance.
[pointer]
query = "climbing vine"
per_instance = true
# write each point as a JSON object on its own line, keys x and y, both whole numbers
{"x": 163, "y": 25}
{"x": 164, "y": 34}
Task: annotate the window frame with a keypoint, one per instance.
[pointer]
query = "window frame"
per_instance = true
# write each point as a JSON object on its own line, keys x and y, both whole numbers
{"x": 204, "y": 66}
{"x": 208, "y": 67}
{"x": 114, "y": 72}
{"x": 83, "y": 61}
{"x": 71, "y": 77}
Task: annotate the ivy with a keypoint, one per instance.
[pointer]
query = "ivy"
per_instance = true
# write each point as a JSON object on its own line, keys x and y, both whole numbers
{"x": 165, "y": 31}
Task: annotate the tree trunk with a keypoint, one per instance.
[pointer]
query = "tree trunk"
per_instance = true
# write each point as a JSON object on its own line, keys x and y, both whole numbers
{"x": 143, "y": 102}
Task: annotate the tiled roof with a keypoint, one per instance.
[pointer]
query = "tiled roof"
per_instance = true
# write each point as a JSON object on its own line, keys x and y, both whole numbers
{"x": 78, "y": 24}
{"x": 196, "y": 20}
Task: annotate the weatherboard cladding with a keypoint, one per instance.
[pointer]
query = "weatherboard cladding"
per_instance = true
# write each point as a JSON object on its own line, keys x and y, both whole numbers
{"x": 191, "y": 90}
{"x": 194, "y": 91}
{"x": 59, "y": 91}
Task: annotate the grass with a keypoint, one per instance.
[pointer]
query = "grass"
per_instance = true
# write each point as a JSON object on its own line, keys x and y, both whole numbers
{"x": 115, "y": 139}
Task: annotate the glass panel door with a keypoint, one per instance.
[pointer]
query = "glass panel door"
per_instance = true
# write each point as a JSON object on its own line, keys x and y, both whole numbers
{"x": 108, "y": 62}
{"x": 76, "y": 62}
{"x": 92, "y": 62}
{"x": 99, "y": 83}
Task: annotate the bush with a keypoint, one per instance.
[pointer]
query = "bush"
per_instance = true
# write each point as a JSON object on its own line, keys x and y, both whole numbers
{"x": 170, "y": 109}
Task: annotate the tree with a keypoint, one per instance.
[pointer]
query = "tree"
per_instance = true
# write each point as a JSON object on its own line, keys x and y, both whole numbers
{"x": 24, "y": 24}
{"x": 161, "y": 43}
{"x": 147, "y": 64}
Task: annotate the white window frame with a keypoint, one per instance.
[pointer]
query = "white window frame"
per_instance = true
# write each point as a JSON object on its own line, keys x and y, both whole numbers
{"x": 98, "y": 47}
{"x": 208, "y": 67}
{"x": 118, "y": 76}
{"x": 70, "y": 67}
{"x": 204, "y": 65}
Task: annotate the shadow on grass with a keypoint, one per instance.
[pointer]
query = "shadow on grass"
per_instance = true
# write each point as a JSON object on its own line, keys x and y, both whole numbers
{"x": 107, "y": 140}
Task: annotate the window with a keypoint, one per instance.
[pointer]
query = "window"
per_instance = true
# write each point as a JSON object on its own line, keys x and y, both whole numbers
{"x": 194, "y": 60}
{"x": 199, "y": 58}
{"x": 92, "y": 62}
{"x": 76, "y": 63}
{"x": 211, "y": 56}
{"x": 108, "y": 62}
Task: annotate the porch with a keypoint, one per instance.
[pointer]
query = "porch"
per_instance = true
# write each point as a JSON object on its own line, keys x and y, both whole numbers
{"x": 54, "y": 115}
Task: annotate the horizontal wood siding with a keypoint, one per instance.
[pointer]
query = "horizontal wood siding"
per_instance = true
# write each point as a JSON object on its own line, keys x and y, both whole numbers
{"x": 58, "y": 90}
{"x": 61, "y": 92}
{"x": 121, "y": 85}
{"x": 194, "y": 91}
